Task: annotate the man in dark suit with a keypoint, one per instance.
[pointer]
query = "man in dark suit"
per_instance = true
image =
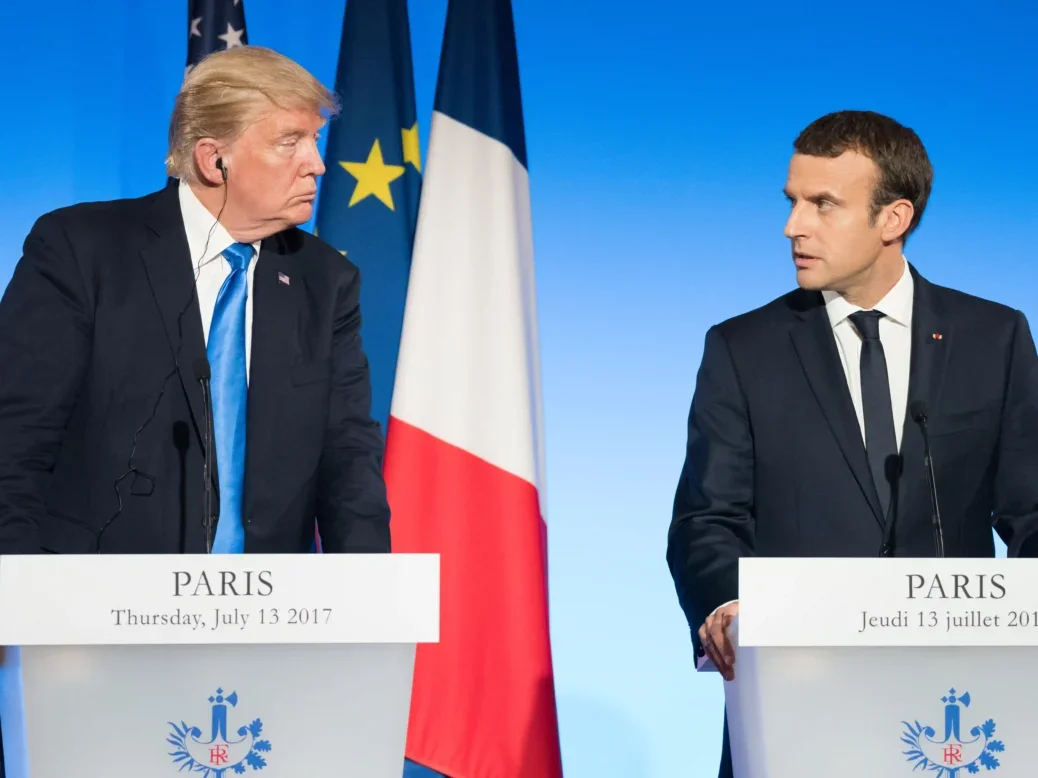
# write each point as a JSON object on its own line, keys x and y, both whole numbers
{"x": 118, "y": 312}
{"x": 801, "y": 436}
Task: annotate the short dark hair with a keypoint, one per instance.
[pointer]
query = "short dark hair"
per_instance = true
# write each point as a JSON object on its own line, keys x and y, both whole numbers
{"x": 904, "y": 167}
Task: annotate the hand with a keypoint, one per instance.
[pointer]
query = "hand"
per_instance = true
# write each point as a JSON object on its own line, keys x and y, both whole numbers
{"x": 714, "y": 637}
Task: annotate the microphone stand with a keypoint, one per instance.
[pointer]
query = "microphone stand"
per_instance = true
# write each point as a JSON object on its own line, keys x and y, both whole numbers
{"x": 938, "y": 532}
{"x": 202, "y": 370}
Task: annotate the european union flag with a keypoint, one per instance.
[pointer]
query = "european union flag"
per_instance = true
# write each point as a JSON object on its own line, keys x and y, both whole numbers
{"x": 368, "y": 203}
{"x": 213, "y": 25}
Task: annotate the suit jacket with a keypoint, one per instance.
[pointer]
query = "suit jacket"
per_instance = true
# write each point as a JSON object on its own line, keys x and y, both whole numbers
{"x": 776, "y": 464}
{"x": 101, "y": 410}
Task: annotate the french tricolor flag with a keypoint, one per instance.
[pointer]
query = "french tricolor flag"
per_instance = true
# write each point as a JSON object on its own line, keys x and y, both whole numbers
{"x": 465, "y": 449}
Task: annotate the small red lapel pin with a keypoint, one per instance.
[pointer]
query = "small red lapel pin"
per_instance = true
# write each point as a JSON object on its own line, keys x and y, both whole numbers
{"x": 937, "y": 336}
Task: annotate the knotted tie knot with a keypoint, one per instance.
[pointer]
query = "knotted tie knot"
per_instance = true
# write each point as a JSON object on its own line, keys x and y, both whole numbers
{"x": 867, "y": 323}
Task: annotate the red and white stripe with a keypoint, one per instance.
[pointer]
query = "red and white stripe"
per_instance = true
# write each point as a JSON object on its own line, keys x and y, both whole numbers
{"x": 465, "y": 465}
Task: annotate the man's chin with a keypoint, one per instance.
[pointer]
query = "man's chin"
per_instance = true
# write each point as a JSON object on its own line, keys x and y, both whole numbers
{"x": 300, "y": 213}
{"x": 809, "y": 279}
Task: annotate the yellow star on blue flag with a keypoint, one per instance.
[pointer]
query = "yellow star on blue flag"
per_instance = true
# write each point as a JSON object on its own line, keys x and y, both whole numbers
{"x": 373, "y": 178}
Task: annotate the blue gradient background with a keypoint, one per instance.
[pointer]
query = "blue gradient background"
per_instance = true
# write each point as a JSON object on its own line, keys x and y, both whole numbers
{"x": 658, "y": 141}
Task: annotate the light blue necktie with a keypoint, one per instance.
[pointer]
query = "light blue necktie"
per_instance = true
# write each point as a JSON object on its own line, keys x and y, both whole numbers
{"x": 230, "y": 390}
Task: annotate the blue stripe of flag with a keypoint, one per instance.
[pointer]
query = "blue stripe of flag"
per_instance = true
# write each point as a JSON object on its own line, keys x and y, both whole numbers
{"x": 479, "y": 72}
{"x": 415, "y": 770}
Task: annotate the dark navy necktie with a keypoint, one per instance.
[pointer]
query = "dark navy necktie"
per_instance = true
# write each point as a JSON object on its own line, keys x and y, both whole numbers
{"x": 880, "y": 437}
{"x": 230, "y": 390}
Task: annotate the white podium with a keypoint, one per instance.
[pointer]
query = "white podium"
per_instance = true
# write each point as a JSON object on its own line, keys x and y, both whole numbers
{"x": 148, "y": 666}
{"x": 879, "y": 668}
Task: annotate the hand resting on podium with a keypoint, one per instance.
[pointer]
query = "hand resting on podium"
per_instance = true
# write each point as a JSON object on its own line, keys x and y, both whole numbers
{"x": 713, "y": 635}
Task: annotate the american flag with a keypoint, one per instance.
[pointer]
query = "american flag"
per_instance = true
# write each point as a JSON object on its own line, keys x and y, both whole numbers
{"x": 213, "y": 25}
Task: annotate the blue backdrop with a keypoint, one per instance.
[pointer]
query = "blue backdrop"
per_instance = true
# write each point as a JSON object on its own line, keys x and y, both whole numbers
{"x": 658, "y": 142}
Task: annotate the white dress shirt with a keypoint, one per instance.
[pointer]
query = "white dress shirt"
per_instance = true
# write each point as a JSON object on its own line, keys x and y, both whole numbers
{"x": 211, "y": 268}
{"x": 895, "y": 333}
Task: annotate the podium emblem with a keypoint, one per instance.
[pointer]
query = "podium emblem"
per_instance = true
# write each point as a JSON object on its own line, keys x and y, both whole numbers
{"x": 952, "y": 749}
{"x": 216, "y": 753}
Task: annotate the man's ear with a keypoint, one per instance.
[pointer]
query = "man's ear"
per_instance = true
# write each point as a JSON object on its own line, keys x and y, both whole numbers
{"x": 897, "y": 218}
{"x": 209, "y": 162}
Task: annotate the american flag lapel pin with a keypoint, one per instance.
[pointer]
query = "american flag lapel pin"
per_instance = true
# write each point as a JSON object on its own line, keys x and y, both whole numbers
{"x": 937, "y": 336}
{"x": 283, "y": 279}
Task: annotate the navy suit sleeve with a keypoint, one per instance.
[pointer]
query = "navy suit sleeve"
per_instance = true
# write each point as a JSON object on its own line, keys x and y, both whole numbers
{"x": 45, "y": 332}
{"x": 1016, "y": 478}
{"x": 712, "y": 524}
{"x": 352, "y": 508}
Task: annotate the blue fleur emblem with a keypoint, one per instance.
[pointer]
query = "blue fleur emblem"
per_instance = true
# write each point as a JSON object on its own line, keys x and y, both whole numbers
{"x": 218, "y": 755}
{"x": 955, "y": 750}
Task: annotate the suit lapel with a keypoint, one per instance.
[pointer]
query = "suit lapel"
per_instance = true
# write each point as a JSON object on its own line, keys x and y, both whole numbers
{"x": 816, "y": 348}
{"x": 930, "y": 343}
{"x": 278, "y": 303}
{"x": 167, "y": 263}
{"x": 927, "y": 365}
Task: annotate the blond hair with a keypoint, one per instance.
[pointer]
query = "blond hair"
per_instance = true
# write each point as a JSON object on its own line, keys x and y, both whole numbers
{"x": 228, "y": 91}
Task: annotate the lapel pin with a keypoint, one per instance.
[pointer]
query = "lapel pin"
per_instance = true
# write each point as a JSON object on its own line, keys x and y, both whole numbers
{"x": 937, "y": 336}
{"x": 283, "y": 279}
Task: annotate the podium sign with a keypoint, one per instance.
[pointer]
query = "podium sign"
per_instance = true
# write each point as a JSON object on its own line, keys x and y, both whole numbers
{"x": 281, "y": 665}
{"x": 884, "y": 667}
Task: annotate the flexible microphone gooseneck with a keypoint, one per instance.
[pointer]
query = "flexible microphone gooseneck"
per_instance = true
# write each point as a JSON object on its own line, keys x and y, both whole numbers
{"x": 203, "y": 374}
{"x": 919, "y": 416}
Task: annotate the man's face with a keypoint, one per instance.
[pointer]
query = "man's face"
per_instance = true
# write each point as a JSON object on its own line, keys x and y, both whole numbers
{"x": 272, "y": 168}
{"x": 834, "y": 246}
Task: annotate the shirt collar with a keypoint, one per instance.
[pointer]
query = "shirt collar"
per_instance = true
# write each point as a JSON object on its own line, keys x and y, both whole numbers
{"x": 896, "y": 305}
{"x": 206, "y": 237}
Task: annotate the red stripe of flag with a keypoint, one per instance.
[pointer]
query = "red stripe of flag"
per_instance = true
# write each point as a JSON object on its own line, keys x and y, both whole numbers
{"x": 483, "y": 703}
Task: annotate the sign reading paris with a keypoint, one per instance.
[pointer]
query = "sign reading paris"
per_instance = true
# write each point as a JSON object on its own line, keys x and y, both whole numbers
{"x": 219, "y": 754}
{"x": 955, "y": 751}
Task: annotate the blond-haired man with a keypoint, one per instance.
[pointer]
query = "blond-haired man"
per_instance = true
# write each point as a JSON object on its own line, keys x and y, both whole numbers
{"x": 126, "y": 321}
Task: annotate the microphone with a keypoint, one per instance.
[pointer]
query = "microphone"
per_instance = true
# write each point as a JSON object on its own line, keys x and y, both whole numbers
{"x": 918, "y": 411}
{"x": 203, "y": 374}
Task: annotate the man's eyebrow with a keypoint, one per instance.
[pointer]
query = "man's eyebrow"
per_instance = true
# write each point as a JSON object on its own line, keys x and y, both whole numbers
{"x": 825, "y": 195}
{"x": 817, "y": 197}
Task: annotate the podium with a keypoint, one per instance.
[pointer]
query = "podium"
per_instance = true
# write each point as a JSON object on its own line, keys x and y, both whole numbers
{"x": 124, "y": 666}
{"x": 884, "y": 667}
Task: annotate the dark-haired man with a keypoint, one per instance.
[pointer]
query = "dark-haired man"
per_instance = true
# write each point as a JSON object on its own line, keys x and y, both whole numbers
{"x": 799, "y": 439}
